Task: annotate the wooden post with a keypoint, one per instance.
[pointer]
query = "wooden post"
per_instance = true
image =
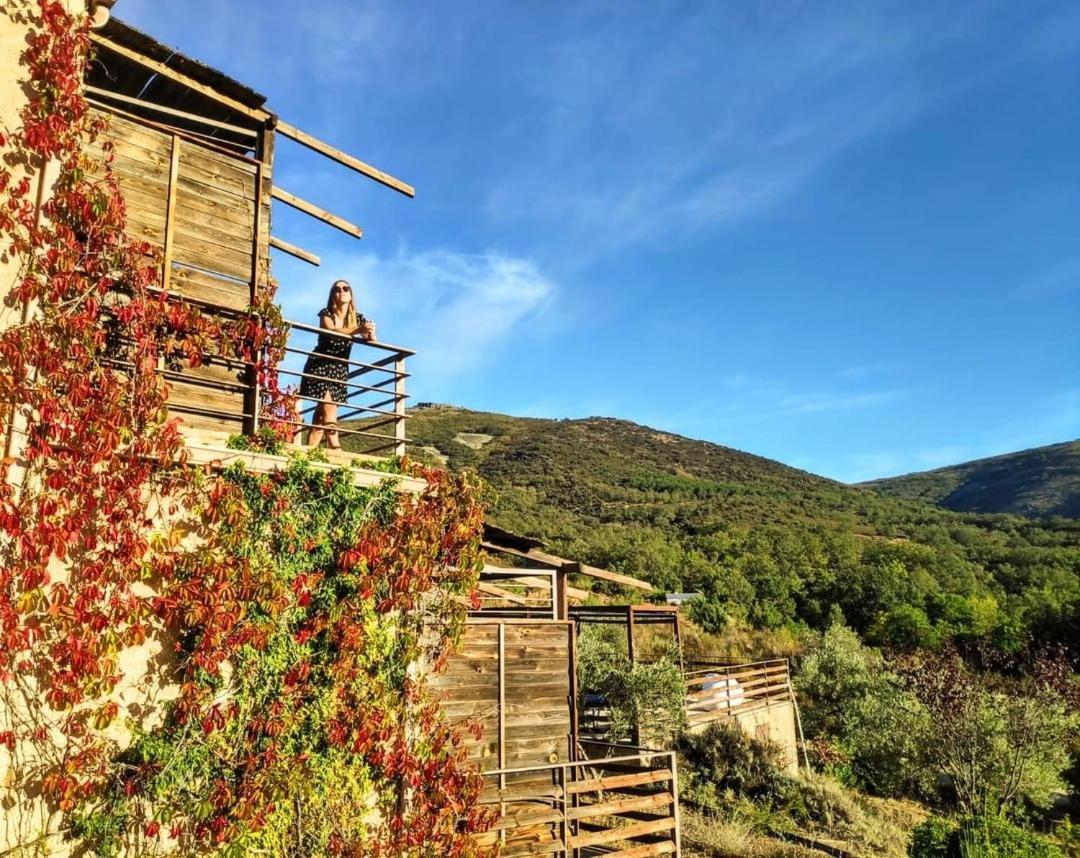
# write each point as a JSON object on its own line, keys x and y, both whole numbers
{"x": 678, "y": 640}
{"x": 560, "y": 596}
{"x": 502, "y": 702}
{"x": 502, "y": 722}
{"x": 260, "y": 264}
{"x": 399, "y": 406}
{"x": 170, "y": 214}
{"x": 571, "y": 629}
{"x": 636, "y": 728}
{"x": 675, "y": 804}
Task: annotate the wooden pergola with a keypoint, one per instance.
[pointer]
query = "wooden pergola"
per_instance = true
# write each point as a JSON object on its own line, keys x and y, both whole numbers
{"x": 533, "y": 553}
{"x": 631, "y": 617}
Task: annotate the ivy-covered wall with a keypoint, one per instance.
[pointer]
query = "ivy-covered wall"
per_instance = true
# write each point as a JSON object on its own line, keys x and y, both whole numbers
{"x": 194, "y": 662}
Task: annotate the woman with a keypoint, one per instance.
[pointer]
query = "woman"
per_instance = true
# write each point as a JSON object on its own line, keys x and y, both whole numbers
{"x": 327, "y": 369}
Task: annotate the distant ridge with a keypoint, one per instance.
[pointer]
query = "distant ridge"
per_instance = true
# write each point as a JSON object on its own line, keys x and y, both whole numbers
{"x": 1039, "y": 483}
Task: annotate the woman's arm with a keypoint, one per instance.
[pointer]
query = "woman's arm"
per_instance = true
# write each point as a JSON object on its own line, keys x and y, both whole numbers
{"x": 365, "y": 329}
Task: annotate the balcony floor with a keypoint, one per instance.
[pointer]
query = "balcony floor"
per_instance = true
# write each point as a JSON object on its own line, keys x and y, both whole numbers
{"x": 206, "y": 447}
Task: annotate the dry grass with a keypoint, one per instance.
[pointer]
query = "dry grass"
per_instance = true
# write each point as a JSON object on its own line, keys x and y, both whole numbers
{"x": 741, "y": 643}
{"x": 705, "y": 837}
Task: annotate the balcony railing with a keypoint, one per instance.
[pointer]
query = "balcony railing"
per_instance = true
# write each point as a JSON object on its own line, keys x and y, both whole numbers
{"x": 717, "y": 689}
{"x": 374, "y": 388}
{"x": 221, "y": 395}
{"x": 621, "y": 801}
{"x": 517, "y": 593}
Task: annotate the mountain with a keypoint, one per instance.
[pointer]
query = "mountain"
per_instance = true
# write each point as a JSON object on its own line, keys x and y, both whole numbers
{"x": 1041, "y": 482}
{"x": 766, "y": 545}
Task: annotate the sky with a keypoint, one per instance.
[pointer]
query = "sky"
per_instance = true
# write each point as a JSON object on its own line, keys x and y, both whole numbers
{"x": 843, "y": 235}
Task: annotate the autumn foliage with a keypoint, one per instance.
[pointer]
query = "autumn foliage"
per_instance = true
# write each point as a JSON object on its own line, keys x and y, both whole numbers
{"x": 302, "y": 725}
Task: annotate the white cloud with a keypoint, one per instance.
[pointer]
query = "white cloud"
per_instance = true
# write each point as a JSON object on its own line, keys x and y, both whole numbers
{"x": 646, "y": 127}
{"x": 456, "y": 310}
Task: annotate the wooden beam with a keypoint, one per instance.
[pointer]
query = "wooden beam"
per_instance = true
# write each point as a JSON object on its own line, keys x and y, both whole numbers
{"x": 259, "y": 114}
{"x": 553, "y": 562}
{"x": 316, "y": 212}
{"x": 293, "y": 250}
{"x": 172, "y": 111}
{"x": 301, "y": 137}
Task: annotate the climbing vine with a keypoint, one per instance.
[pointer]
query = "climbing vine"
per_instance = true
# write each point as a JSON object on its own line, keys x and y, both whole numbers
{"x": 302, "y": 726}
{"x": 299, "y": 603}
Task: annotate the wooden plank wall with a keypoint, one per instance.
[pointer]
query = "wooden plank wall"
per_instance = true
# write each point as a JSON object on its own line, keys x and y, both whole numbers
{"x": 514, "y": 678}
{"x": 196, "y": 206}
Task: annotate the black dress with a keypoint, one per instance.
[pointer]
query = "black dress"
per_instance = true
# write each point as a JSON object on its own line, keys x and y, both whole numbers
{"x": 326, "y": 370}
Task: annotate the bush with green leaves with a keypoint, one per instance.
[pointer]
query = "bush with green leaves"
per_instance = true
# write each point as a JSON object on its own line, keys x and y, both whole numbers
{"x": 984, "y": 836}
{"x": 1000, "y": 744}
{"x": 724, "y": 759}
{"x": 851, "y": 700}
{"x": 649, "y": 695}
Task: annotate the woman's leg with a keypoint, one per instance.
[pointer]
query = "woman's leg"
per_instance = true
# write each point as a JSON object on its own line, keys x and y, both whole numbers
{"x": 318, "y": 421}
{"x": 330, "y": 412}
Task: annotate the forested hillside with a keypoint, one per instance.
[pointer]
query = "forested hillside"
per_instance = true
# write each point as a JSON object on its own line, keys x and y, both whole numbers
{"x": 1041, "y": 482}
{"x": 766, "y": 545}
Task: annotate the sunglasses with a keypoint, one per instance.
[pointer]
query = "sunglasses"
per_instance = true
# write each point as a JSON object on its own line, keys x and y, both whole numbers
{"x": 342, "y": 289}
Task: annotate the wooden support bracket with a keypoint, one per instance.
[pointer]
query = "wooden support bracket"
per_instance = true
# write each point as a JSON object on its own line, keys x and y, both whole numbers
{"x": 318, "y": 213}
{"x": 293, "y": 250}
{"x": 301, "y": 137}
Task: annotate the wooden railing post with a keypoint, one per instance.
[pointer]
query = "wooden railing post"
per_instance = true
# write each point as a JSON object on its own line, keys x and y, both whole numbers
{"x": 399, "y": 406}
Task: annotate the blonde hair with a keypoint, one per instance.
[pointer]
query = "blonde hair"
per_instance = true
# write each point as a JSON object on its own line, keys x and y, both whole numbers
{"x": 350, "y": 314}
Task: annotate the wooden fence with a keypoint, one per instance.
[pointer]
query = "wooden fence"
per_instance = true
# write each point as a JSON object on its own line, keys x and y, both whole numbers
{"x": 621, "y": 802}
{"x": 717, "y": 689}
{"x": 514, "y": 678}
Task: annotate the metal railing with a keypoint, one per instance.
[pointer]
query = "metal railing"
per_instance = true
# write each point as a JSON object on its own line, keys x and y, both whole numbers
{"x": 374, "y": 387}
{"x": 620, "y": 800}
{"x": 224, "y": 393}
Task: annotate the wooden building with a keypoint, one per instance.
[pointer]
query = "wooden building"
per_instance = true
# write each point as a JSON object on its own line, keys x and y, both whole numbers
{"x": 194, "y": 153}
{"x": 558, "y": 793}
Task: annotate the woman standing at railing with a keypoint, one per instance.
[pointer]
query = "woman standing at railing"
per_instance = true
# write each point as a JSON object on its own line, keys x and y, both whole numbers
{"x": 327, "y": 369}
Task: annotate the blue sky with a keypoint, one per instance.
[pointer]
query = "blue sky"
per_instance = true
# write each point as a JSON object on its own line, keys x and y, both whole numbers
{"x": 841, "y": 235}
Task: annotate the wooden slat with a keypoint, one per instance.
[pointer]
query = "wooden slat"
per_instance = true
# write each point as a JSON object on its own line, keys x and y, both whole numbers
{"x": 648, "y": 776}
{"x": 318, "y": 213}
{"x": 164, "y": 70}
{"x": 293, "y": 250}
{"x": 665, "y": 848}
{"x": 170, "y": 214}
{"x": 294, "y": 133}
{"x": 545, "y": 559}
{"x": 627, "y": 832}
{"x": 171, "y": 111}
{"x": 614, "y": 808}
{"x": 204, "y": 286}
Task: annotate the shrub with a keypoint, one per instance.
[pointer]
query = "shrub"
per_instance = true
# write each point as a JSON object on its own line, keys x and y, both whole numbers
{"x": 649, "y": 695}
{"x": 932, "y": 838}
{"x": 874, "y": 729}
{"x": 723, "y": 758}
{"x": 998, "y": 749}
{"x": 985, "y": 836}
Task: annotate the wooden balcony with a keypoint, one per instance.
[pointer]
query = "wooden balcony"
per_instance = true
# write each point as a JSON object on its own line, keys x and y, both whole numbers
{"x": 618, "y": 801}
{"x": 222, "y": 395}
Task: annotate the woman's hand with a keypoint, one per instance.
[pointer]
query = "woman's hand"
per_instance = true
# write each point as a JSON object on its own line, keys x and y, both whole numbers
{"x": 366, "y": 330}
